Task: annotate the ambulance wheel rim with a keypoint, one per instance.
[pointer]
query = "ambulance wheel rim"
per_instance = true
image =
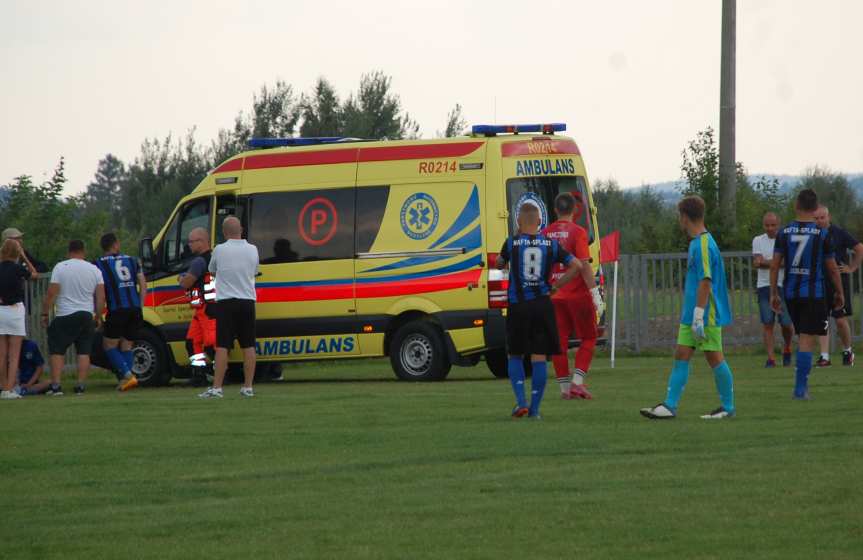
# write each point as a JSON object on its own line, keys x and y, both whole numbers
{"x": 143, "y": 358}
{"x": 416, "y": 354}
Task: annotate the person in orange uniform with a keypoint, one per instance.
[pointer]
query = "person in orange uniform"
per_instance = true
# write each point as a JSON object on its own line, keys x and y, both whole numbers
{"x": 576, "y": 304}
{"x": 201, "y": 289}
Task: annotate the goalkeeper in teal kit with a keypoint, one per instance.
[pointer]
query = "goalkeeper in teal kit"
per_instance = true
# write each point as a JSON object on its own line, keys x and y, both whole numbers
{"x": 705, "y": 311}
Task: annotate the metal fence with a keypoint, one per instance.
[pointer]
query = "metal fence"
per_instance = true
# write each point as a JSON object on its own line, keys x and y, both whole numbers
{"x": 650, "y": 293}
{"x": 649, "y": 296}
{"x": 34, "y": 297}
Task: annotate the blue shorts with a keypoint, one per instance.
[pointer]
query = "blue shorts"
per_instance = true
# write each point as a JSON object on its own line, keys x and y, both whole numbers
{"x": 768, "y": 316}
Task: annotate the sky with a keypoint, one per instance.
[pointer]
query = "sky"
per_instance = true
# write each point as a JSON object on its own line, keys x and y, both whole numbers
{"x": 634, "y": 81}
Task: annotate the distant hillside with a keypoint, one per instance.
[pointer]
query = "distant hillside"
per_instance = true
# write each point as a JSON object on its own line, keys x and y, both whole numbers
{"x": 670, "y": 190}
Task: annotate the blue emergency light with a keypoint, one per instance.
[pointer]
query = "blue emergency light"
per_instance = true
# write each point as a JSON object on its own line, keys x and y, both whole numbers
{"x": 310, "y": 141}
{"x": 493, "y": 129}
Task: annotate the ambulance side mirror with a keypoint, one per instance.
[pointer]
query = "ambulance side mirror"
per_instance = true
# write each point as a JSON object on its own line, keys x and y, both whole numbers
{"x": 145, "y": 252}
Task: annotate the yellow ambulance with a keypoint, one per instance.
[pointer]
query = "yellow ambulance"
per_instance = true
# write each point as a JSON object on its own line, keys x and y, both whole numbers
{"x": 368, "y": 248}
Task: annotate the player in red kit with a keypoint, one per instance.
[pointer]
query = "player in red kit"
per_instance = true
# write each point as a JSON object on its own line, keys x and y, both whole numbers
{"x": 576, "y": 304}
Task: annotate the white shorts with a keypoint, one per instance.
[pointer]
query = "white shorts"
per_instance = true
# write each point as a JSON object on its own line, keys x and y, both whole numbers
{"x": 12, "y": 320}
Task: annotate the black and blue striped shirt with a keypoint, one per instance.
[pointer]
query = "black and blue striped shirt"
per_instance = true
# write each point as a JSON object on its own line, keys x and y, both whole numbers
{"x": 120, "y": 273}
{"x": 531, "y": 258}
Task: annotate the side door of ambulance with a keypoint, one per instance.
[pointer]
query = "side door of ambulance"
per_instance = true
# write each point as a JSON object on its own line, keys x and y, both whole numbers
{"x": 172, "y": 256}
{"x": 305, "y": 239}
{"x": 420, "y": 238}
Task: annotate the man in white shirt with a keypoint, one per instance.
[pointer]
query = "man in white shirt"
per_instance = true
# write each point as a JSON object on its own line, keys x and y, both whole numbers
{"x": 762, "y": 255}
{"x": 234, "y": 263}
{"x": 78, "y": 289}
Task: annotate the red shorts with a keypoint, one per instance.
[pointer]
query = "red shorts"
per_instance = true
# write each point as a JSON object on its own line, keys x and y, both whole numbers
{"x": 202, "y": 330}
{"x": 576, "y": 315}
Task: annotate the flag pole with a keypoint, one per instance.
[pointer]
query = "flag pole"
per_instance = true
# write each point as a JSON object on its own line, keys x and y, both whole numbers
{"x": 614, "y": 315}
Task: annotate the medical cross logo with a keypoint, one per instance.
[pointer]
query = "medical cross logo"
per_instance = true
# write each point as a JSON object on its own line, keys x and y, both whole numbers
{"x": 419, "y": 216}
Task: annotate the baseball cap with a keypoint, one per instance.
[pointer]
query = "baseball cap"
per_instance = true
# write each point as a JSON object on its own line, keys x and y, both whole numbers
{"x": 11, "y": 233}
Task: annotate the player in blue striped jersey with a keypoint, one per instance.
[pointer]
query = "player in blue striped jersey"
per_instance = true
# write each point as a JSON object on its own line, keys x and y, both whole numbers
{"x": 125, "y": 287}
{"x": 805, "y": 252}
{"x": 531, "y": 327}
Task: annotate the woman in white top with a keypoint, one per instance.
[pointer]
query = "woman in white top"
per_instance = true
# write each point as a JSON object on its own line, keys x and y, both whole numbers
{"x": 12, "y": 321}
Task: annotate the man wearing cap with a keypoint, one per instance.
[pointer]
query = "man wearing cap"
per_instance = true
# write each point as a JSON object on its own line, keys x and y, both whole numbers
{"x": 15, "y": 233}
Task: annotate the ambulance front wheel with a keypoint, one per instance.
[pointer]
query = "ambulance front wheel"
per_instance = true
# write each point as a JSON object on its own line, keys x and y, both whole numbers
{"x": 150, "y": 359}
{"x": 418, "y": 353}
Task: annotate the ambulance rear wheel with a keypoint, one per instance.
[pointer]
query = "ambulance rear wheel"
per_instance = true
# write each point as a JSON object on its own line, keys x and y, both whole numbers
{"x": 496, "y": 362}
{"x": 150, "y": 359}
{"x": 418, "y": 353}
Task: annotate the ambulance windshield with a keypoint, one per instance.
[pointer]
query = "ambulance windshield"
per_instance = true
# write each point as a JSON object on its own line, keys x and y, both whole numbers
{"x": 541, "y": 191}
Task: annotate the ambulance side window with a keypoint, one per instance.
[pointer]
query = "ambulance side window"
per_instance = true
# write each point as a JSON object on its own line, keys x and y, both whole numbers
{"x": 195, "y": 213}
{"x": 541, "y": 192}
{"x": 299, "y": 226}
{"x": 371, "y": 205}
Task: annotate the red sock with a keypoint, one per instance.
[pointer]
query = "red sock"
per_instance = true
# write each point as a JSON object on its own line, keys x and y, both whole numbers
{"x": 584, "y": 355}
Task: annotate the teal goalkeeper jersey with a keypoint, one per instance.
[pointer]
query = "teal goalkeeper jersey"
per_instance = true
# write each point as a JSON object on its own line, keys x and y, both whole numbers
{"x": 705, "y": 261}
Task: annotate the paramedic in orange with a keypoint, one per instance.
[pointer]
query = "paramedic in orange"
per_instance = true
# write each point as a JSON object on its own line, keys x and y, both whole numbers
{"x": 201, "y": 289}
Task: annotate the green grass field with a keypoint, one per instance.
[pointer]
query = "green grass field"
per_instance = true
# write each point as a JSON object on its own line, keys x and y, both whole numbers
{"x": 342, "y": 461}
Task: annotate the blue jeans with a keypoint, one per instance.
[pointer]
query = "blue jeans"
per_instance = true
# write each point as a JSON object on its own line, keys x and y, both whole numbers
{"x": 768, "y": 316}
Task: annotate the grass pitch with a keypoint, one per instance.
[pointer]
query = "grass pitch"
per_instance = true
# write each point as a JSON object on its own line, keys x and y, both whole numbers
{"x": 342, "y": 461}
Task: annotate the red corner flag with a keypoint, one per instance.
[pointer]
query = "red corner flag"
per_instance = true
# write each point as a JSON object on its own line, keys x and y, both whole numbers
{"x": 609, "y": 247}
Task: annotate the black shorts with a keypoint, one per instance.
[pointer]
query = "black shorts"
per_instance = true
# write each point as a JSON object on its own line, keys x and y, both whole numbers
{"x": 846, "y": 311}
{"x": 123, "y": 323}
{"x": 77, "y": 328}
{"x": 808, "y": 315}
{"x": 531, "y": 328}
{"x": 235, "y": 318}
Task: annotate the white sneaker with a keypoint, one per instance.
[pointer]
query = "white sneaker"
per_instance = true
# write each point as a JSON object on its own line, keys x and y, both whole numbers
{"x": 658, "y": 412}
{"x": 9, "y": 395}
{"x": 247, "y": 392}
{"x": 718, "y": 414}
{"x": 211, "y": 393}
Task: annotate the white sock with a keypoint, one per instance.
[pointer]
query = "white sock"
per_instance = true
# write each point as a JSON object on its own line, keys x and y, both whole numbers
{"x": 825, "y": 356}
{"x": 578, "y": 376}
{"x": 565, "y": 384}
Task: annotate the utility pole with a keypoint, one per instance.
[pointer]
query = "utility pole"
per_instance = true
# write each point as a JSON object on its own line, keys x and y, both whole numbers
{"x": 727, "y": 159}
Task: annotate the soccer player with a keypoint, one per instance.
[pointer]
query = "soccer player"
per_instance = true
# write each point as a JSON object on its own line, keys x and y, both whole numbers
{"x": 806, "y": 253}
{"x": 842, "y": 242}
{"x": 762, "y": 256}
{"x": 530, "y": 322}
{"x": 705, "y": 311}
{"x": 125, "y": 288}
{"x": 576, "y": 304}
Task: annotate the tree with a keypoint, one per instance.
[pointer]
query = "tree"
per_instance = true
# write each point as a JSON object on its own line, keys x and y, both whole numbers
{"x": 837, "y": 195}
{"x": 646, "y": 223}
{"x": 455, "y": 123}
{"x": 700, "y": 170}
{"x": 321, "y": 112}
{"x": 104, "y": 192}
{"x": 375, "y": 112}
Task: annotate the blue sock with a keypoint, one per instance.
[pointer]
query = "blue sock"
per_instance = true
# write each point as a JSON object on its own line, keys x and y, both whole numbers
{"x": 537, "y": 385}
{"x": 676, "y": 383}
{"x": 116, "y": 358}
{"x": 516, "y": 378}
{"x": 127, "y": 357}
{"x": 725, "y": 385}
{"x": 801, "y": 378}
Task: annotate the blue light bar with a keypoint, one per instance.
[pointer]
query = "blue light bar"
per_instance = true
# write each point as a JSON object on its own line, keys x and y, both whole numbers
{"x": 279, "y": 142}
{"x": 492, "y": 129}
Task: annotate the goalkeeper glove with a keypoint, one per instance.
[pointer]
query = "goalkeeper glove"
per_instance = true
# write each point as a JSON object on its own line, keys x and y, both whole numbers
{"x": 698, "y": 323}
{"x": 597, "y": 300}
